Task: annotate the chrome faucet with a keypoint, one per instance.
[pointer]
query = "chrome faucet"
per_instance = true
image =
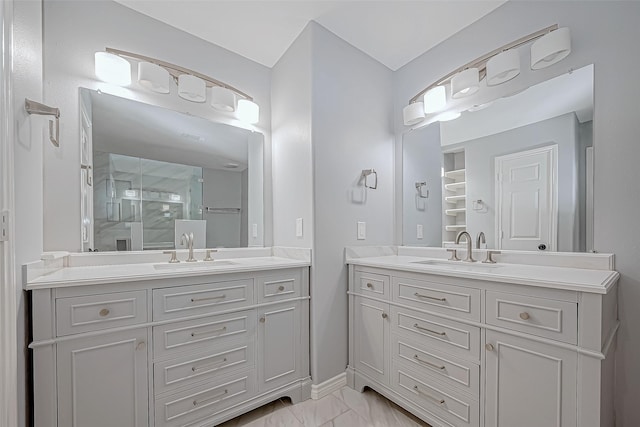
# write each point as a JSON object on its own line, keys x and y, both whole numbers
{"x": 480, "y": 239}
{"x": 189, "y": 243}
{"x": 469, "y": 257}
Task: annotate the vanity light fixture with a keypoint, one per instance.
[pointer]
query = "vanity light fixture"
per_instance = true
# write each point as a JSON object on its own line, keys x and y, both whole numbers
{"x": 413, "y": 113}
{"x": 435, "y": 99}
{"x": 465, "y": 83}
{"x": 153, "y": 77}
{"x": 114, "y": 66}
{"x": 551, "y": 45}
{"x": 112, "y": 69}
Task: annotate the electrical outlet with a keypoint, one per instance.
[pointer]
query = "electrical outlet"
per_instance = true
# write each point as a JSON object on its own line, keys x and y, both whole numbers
{"x": 419, "y": 231}
{"x": 4, "y": 226}
{"x": 254, "y": 231}
{"x": 362, "y": 230}
{"x": 299, "y": 227}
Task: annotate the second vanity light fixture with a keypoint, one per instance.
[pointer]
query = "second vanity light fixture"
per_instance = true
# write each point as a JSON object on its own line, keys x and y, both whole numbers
{"x": 550, "y": 45}
{"x": 113, "y": 66}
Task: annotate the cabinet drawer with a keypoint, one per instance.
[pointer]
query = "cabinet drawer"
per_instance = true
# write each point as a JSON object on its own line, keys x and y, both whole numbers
{"x": 441, "y": 298}
{"x": 193, "y": 369}
{"x": 95, "y": 312}
{"x": 374, "y": 285}
{"x": 547, "y": 318}
{"x": 278, "y": 287}
{"x": 204, "y": 401}
{"x": 169, "y": 303}
{"x": 431, "y": 363}
{"x": 456, "y": 408}
{"x": 203, "y": 334}
{"x": 441, "y": 334}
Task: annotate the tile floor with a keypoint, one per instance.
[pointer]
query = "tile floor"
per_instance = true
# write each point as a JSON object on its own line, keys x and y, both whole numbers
{"x": 345, "y": 407}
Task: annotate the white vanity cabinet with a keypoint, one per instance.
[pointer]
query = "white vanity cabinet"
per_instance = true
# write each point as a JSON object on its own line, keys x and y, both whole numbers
{"x": 169, "y": 352}
{"x": 475, "y": 352}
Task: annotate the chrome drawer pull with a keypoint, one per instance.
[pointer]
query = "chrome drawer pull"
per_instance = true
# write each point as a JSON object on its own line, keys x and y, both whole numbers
{"x": 208, "y": 365}
{"x": 429, "y": 330}
{"x": 209, "y": 399}
{"x": 441, "y": 367}
{"x": 104, "y": 312}
{"x": 428, "y": 396}
{"x": 369, "y": 285}
{"x": 208, "y": 298}
{"x": 428, "y": 297}
{"x": 524, "y": 316}
{"x": 212, "y": 331}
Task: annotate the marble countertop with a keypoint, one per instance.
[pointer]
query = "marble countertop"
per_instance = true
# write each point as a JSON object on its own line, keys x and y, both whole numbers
{"x": 574, "y": 279}
{"x": 118, "y": 273}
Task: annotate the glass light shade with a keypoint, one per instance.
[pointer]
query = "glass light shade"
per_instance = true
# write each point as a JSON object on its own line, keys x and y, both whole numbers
{"x": 465, "y": 83}
{"x": 192, "y": 88}
{"x": 153, "y": 77}
{"x": 248, "y": 111}
{"x": 413, "y": 113}
{"x": 435, "y": 99}
{"x": 503, "y": 67}
{"x": 112, "y": 69}
{"x": 448, "y": 115}
{"x": 223, "y": 99}
{"x": 551, "y": 48}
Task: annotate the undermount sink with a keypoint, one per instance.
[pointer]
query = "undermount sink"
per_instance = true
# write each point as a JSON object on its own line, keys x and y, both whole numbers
{"x": 458, "y": 265}
{"x": 200, "y": 265}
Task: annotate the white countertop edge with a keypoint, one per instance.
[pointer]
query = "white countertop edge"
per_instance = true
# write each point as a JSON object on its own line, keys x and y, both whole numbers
{"x": 602, "y": 288}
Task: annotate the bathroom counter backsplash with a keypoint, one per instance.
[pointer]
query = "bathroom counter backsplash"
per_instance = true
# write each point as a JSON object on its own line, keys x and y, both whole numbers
{"x": 62, "y": 269}
{"x": 583, "y": 272}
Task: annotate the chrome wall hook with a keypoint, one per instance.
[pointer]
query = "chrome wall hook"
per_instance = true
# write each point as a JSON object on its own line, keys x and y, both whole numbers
{"x": 34, "y": 107}
{"x": 420, "y": 186}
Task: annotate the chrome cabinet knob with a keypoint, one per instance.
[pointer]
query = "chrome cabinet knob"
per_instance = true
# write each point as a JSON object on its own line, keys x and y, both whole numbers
{"x": 489, "y": 347}
{"x": 281, "y": 288}
{"x": 369, "y": 285}
{"x": 104, "y": 312}
{"x": 385, "y": 315}
{"x": 524, "y": 316}
{"x": 262, "y": 320}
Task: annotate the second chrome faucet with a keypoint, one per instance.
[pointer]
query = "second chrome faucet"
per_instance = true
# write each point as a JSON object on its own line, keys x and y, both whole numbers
{"x": 188, "y": 237}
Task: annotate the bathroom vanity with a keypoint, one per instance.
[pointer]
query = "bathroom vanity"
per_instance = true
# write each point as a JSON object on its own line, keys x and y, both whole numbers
{"x": 132, "y": 340}
{"x": 527, "y": 342}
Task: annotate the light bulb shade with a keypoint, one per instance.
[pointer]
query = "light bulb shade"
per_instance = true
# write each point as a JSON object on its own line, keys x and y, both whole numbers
{"x": 223, "y": 99}
{"x": 551, "y": 48}
{"x": 192, "y": 88}
{"x": 112, "y": 69}
{"x": 447, "y": 116}
{"x": 153, "y": 77}
{"x": 435, "y": 99}
{"x": 503, "y": 67}
{"x": 465, "y": 83}
{"x": 248, "y": 111}
{"x": 413, "y": 113}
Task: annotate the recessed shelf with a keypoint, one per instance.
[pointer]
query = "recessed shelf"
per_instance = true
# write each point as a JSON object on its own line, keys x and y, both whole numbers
{"x": 456, "y": 198}
{"x": 455, "y": 186}
{"x": 456, "y": 211}
{"x": 455, "y": 227}
{"x": 456, "y": 174}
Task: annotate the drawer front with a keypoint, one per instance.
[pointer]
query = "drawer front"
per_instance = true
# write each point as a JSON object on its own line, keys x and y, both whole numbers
{"x": 204, "y": 401}
{"x": 454, "y": 407}
{"x": 192, "y": 369}
{"x": 441, "y": 334}
{"x": 374, "y": 285}
{"x": 203, "y": 334}
{"x": 95, "y": 312}
{"x": 278, "y": 287}
{"x": 183, "y": 301}
{"x": 457, "y": 373}
{"x": 547, "y": 318}
{"x": 441, "y": 298}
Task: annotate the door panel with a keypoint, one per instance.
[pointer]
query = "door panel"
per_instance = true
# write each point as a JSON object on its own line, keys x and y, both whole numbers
{"x": 372, "y": 335}
{"x": 279, "y": 332}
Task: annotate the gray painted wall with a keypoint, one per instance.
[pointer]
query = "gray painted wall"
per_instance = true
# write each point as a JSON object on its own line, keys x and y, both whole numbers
{"x": 604, "y": 33}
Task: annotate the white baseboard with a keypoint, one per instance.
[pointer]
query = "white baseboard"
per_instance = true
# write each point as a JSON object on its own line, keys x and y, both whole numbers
{"x": 318, "y": 391}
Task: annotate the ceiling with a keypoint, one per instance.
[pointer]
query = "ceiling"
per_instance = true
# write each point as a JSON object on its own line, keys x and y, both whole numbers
{"x": 394, "y": 32}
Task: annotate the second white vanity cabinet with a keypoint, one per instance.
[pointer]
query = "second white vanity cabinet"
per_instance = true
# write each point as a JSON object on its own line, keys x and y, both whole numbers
{"x": 169, "y": 352}
{"x": 478, "y": 352}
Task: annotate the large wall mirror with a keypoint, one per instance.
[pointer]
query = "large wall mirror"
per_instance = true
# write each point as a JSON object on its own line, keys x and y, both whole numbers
{"x": 519, "y": 170}
{"x": 150, "y": 174}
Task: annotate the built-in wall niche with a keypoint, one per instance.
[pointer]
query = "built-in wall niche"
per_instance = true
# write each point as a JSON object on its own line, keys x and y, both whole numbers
{"x": 519, "y": 170}
{"x": 150, "y": 174}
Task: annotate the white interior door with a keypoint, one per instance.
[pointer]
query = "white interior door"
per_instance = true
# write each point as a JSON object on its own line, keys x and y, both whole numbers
{"x": 526, "y": 200}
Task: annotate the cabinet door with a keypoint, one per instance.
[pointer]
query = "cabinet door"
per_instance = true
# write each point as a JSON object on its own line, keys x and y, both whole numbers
{"x": 278, "y": 345}
{"x": 529, "y": 384}
{"x": 102, "y": 381}
{"x": 372, "y": 339}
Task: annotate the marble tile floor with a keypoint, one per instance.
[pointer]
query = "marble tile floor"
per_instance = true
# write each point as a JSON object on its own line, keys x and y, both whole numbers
{"x": 343, "y": 408}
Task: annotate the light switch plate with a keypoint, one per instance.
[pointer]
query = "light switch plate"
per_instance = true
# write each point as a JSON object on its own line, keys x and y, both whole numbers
{"x": 362, "y": 230}
{"x": 254, "y": 231}
{"x": 419, "y": 231}
{"x": 298, "y": 227}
